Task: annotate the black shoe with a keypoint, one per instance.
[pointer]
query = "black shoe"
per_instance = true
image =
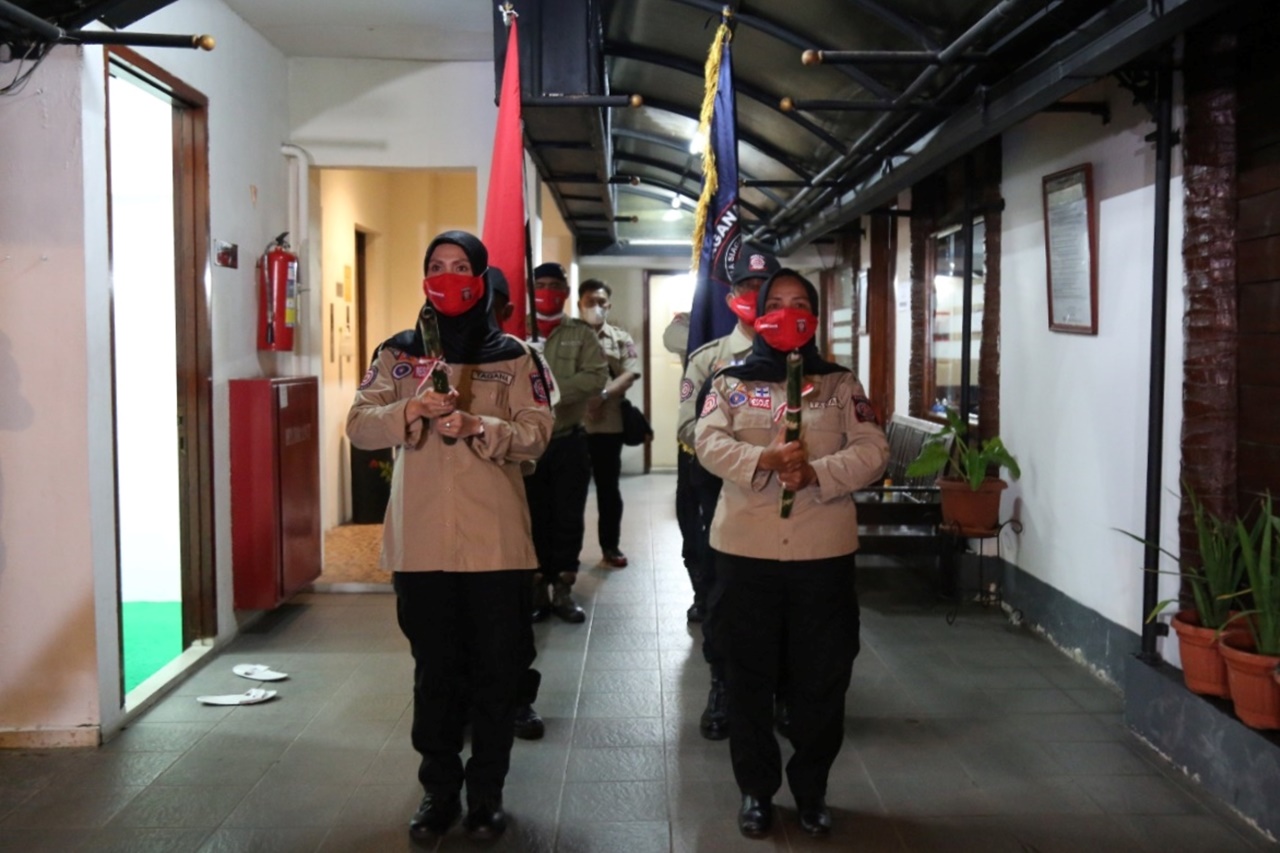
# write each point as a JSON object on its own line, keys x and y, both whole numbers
{"x": 528, "y": 724}
{"x": 714, "y": 723}
{"x": 541, "y": 614}
{"x": 755, "y": 818}
{"x": 696, "y": 612}
{"x": 434, "y": 816}
{"x": 815, "y": 817}
{"x": 782, "y": 717}
{"x": 563, "y": 605}
{"x": 614, "y": 559}
{"x": 485, "y": 819}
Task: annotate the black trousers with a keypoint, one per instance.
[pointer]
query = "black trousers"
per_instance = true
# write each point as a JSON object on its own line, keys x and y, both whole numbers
{"x": 557, "y": 494}
{"x": 606, "y": 467}
{"x": 814, "y": 604}
{"x": 687, "y": 516}
{"x": 472, "y": 645}
{"x": 706, "y": 491}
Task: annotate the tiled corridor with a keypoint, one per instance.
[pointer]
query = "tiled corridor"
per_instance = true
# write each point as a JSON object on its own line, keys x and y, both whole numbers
{"x": 975, "y": 737}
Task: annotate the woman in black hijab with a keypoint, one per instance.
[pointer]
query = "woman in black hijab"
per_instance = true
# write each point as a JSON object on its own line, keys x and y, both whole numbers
{"x": 456, "y": 533}
{"x": 787, "y": 577}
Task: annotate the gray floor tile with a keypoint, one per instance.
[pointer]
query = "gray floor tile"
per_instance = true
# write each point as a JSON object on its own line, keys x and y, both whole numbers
{"x": 976, "y": 736}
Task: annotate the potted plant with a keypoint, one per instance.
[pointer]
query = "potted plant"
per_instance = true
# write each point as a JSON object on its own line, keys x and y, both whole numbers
{"x": 1214, "y": 582}
{"x": 970, "y": 496}
{"x": 1253, "y": 655}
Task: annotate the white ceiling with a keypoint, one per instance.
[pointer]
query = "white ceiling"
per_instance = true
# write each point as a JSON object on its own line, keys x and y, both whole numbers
{"x": 424, "y": 30}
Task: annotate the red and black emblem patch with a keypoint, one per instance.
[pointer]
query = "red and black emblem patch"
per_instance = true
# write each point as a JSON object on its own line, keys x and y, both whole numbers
{"x": 370, "y": 375}
{"x": 539, "y": 388}
{"x": 686, "y": 390}
{"x": 864, "y": 411}
{"x": 710, "y": 405}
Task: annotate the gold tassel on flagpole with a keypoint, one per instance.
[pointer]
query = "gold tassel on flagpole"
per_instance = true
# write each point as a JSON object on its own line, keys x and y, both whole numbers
{"x": 709, "y": 183}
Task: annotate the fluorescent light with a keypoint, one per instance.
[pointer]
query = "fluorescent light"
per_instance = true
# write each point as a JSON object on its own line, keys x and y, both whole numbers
{"x": 648, "y": 242}
{"x": 670, "y": 216}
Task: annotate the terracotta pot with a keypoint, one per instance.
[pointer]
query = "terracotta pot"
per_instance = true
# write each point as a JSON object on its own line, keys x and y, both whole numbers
{"x": 970, "y": 512}
{"x": 1254, "y": 688}
{"x": 1203, "y": 668}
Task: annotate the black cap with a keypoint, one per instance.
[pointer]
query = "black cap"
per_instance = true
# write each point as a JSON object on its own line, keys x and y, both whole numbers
{"x": 477, "y": 254}
{"x": 753, "y": 263}
{"x": 497, "y": 282}
{"x": 550, "y": 270}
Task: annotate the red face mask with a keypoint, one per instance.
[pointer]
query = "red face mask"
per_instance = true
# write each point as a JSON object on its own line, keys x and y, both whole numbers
{"x": 787, "y": 329}
{"x": 548, "y": 301}
{"x": 744, "y": 307}
{"x": 453, "y": 293}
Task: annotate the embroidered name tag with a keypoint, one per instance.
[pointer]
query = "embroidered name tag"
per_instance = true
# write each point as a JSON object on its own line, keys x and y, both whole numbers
{"x": 492, "y": 376}
{"x": 761, "y": 398}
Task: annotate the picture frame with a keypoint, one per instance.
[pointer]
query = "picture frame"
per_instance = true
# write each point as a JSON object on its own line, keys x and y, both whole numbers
{"x": 1071, "y": 250}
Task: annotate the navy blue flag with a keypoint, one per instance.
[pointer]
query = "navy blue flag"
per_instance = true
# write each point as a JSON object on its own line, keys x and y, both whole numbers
{"x": 710, "y": 317}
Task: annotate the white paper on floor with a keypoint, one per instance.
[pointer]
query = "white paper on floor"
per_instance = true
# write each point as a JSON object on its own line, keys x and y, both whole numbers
{"x": 258, "y": 672}
{"x": 250, "y": 697}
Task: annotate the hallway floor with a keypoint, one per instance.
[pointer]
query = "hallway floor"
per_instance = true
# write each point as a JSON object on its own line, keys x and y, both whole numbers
{"x": 976, "y": 736}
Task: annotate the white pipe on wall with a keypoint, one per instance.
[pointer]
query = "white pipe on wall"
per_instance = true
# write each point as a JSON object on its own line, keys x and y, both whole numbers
{"x": 299, "y": 220}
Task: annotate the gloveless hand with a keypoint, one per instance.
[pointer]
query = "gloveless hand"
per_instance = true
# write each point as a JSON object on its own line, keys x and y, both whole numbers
{"x": 431, "y": 404}
{"x": 459, "y": 425}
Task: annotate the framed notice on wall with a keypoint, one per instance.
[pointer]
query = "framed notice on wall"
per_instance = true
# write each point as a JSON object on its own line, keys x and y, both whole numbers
{"x": 1071, "y": 250}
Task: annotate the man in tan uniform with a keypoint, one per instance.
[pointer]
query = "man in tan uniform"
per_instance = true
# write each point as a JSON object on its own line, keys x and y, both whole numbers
{"x": 604, "y": 415}
{"x": 557, "y": 488}
{"x": 696, "y": 493}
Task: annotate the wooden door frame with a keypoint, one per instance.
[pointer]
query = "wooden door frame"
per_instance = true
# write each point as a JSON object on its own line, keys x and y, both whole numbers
{"x": 193, "y": 327}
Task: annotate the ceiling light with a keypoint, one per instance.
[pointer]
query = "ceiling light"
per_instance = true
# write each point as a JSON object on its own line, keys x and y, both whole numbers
{"x": 675, "y": 202}
{"x": 670, "y": 216}
{"x": 645, "y": 242}
{"x": 699, "y": 142}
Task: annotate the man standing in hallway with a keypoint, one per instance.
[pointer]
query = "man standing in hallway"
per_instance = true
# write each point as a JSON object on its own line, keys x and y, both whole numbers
{"x": 604, "y": 415}
{"x": 697, "y": 491}
{"x": 557, "y": 488}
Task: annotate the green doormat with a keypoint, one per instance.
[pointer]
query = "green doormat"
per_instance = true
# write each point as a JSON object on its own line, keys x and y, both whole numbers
{"x": 152, "y": 638}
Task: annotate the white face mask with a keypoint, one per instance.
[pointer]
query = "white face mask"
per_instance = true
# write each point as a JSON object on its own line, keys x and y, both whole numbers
{"x": 595, "y": 315}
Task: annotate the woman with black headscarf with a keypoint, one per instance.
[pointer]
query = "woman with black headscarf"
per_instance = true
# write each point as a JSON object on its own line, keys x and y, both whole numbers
{"x": 787, "y": 577}
{"x": 456, "y": 533}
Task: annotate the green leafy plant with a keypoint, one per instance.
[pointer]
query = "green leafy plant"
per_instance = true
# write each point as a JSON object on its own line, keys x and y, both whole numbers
{"x": 1260, "y": 553}
{"x": 969, "y": 461}
{"x": 1217, "y": 578}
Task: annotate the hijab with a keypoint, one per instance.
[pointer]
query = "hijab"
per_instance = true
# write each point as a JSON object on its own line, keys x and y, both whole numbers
{"x": 766, "y": 364}
{"x": 474, "y": 336}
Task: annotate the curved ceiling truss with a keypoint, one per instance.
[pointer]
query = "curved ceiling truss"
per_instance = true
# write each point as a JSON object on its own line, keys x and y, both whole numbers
{"x": 903, "y": 89}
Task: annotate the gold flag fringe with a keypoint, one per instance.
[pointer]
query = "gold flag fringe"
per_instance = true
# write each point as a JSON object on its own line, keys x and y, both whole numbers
{"x": 709, "y": 183}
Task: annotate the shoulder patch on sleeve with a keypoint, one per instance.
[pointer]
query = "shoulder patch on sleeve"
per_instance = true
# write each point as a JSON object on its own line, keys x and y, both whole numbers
{"x": 709, "y": 405}
{"x": 370, "y": 375}
{"x": 686, "y": 390}
{"x": 863, "y": 410}
{"x": 540, "y": 393}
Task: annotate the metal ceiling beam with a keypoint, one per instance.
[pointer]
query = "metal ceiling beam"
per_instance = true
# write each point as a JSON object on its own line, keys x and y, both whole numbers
{"x": 694, "y": 69}
{"x": 886, "y": 57}
{"x": 864, "y": 143}
{"x": 1121, "y": 33}
{"x": 692, "y": 196}
{"x": 762, "y": 145}
{"x": 674, "y": 144}
{"x": 794, "y": 39}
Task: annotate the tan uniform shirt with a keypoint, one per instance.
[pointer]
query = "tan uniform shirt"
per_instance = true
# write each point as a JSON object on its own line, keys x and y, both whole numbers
{"x": 846, "y": 447}
{"x": 620, "y": 354}
{"x": 573, "y": 353}
{"x": 458, "y": 508}
{"x": 704, "y": 361}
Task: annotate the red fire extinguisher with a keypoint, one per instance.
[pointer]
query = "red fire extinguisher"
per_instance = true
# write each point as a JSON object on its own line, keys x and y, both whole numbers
{"x": 277, "y": 295}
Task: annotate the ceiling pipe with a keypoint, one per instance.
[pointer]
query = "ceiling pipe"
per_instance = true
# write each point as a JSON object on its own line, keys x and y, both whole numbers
{"x": 788, "y": 104}
{"x": 956, "y": 48}
{"x": 1118, "y": 35}
{"x": 886, "y": 57}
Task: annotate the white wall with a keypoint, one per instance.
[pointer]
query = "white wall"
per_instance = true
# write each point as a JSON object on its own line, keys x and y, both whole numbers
{"x": 48, "y": 667}
{"x": 1074, "y": 408}
{"x": 57, "y": 605}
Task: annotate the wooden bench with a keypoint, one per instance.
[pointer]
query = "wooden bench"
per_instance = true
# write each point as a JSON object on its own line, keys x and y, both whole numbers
{"x": 904, "y": 518}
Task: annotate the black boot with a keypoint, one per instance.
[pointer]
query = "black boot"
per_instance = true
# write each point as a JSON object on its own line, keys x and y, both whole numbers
{"x": 528, "y": 725}
{"x": 697, "y": 611}
{"x": 562, "y": 603}
{"x": 782, "y": 716}
{"x": 485, "y": 818}
{"x": 434, "y": 816}
{"x": 755, "y": 818}
{"x": 714, "y": 724}
{"x": 815, "y": 817}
